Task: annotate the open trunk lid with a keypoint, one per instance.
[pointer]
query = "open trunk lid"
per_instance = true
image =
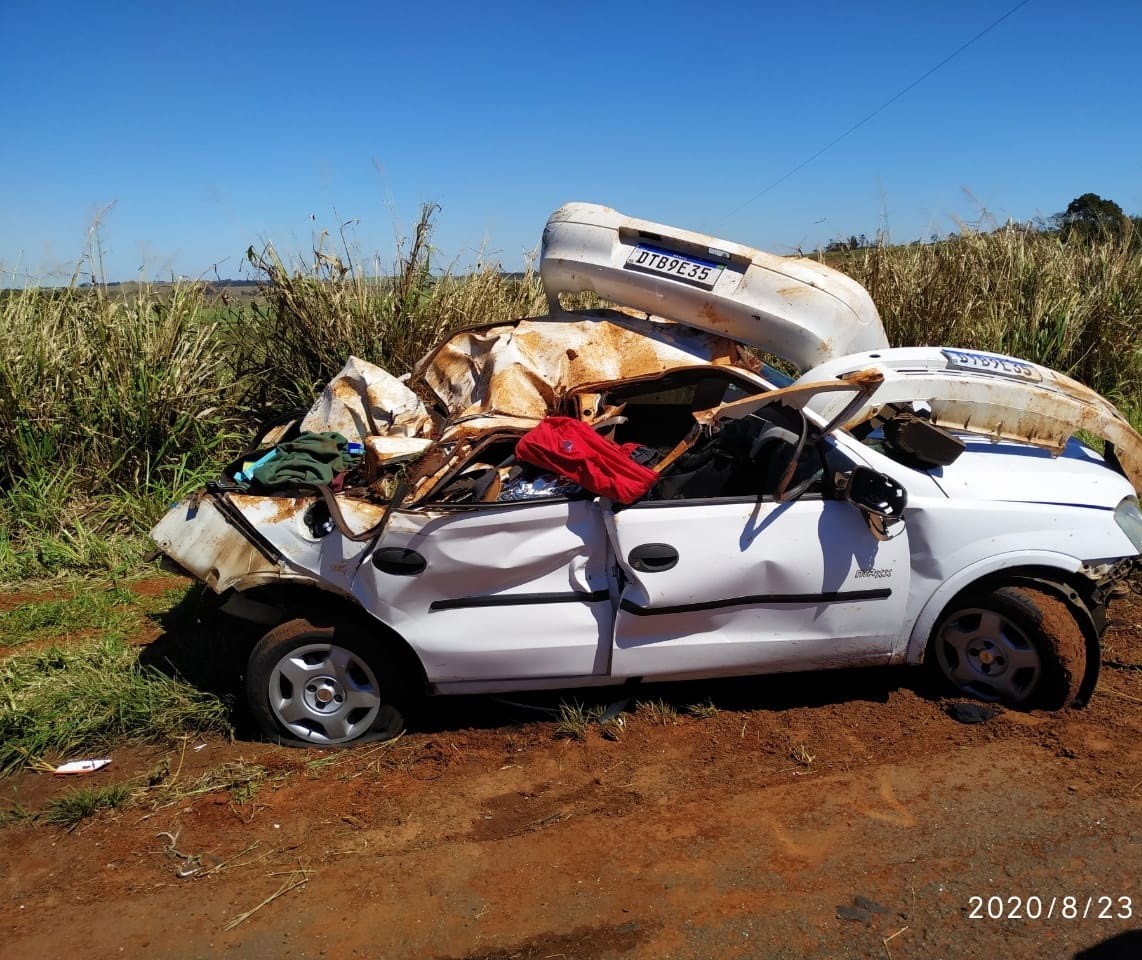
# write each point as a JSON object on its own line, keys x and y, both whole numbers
{"x": 794, "y": 308}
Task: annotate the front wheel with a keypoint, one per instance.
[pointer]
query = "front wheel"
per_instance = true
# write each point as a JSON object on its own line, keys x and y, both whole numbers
{"x": 1015, "y": 645}
{"x": 310, "y": 685}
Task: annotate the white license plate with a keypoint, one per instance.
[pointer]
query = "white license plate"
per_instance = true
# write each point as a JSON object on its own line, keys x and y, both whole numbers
{"x": 677, "y": 266}
{"x": 990, "y": 363}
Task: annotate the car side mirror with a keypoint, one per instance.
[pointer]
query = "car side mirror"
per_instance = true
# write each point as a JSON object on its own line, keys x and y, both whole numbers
{"x": 875, "y": 493}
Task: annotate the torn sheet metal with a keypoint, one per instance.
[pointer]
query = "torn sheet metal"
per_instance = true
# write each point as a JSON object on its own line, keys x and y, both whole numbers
{"x": 205, "y": 537}
{"x": 298, "y": 529}
{"x": 795, "y": 308}
{"x": 385, "y": 451}
{"x": 364, "y": 400}
{"x": 987, "y": 394}
{"x": 847, "y": 392}
{"x": 525, "y": 369}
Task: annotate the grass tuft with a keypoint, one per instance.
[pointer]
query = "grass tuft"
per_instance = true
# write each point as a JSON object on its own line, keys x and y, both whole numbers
{"x": 800, "y": 753}
{"x": 575, "y": 720}
{"x": 16, "y": 812}
{"x": 657, "y": 711}
{"x": 704, "y": 710}
{"x": 70, "y": 808}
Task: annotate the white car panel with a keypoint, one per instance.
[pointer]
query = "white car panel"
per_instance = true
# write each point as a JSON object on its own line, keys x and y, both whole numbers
{"x": 510, "y": 590}
{"x": 757, "y": 586}
{"x": 989, "y": 470}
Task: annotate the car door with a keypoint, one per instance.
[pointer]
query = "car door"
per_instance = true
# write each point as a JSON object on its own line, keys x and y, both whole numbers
{"x": 724, "y": 585}
{"x": 496, "y": 591}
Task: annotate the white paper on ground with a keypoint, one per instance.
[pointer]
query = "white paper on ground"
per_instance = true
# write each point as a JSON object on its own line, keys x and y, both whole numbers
{"x": 82, "y": 766}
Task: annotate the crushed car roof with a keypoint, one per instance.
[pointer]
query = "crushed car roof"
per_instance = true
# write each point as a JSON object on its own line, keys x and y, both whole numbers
{"x": 523, "y": 369}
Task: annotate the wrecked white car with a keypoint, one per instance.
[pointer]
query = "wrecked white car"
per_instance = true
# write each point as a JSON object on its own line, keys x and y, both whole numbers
{"x": 614, "y": 495}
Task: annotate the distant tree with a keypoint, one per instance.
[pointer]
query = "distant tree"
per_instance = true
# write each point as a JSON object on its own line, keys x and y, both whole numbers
{"x": 841, "y": 245}
{"x": 1090, "y": 216}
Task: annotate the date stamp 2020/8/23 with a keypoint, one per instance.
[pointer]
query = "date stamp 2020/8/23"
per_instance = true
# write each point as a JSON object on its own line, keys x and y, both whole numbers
{"x": 1058, "y": 907}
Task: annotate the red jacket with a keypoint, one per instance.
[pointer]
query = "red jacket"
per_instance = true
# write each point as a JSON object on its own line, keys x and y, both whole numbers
{"x": 571, "y": 449}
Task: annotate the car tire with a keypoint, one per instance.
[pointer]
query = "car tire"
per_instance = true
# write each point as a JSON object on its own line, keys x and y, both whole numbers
{"x": 323, "y": 685}
{"x": 1015, "y": 645}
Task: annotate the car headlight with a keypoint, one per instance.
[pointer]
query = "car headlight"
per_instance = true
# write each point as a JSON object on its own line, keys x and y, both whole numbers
{"x": 1129, "y": 518}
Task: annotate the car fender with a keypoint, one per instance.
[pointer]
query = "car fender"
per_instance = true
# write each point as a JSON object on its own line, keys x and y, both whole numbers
{"x": 1009, "y": 563}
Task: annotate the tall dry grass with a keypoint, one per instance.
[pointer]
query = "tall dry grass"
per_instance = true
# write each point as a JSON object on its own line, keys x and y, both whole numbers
{"x": 318, "y": 311}
{"x": 107, "y": 406}
{"x": 111, "y": 406}
{"x": 1075, "y": 307}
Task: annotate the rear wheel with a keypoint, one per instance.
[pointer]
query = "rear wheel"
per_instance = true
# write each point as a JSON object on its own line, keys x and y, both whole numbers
{"x": 323, "y": 685}
{"x": 1015, "y": 645}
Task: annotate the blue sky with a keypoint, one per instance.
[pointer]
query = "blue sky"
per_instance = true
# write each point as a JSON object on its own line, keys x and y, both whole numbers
{"x": 207, "y": 127}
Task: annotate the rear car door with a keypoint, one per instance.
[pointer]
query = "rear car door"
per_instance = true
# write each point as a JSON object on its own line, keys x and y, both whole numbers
{"x": 496, "y": 591}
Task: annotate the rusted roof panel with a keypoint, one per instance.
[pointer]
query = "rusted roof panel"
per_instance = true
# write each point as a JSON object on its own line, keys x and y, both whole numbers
{"x": 524, "y": 369}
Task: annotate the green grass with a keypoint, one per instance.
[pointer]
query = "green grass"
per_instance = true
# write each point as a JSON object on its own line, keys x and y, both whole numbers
{"x": 15, "y": 812}
{"x": 91, "y": 609}
{"x": 79, "y": 684}
{"x": 61, "y": 701}
{"x": 84, "y": 608}
{"x": 575, "y": 719}
{"x": 704, "y": 710}
{"x": 657, "y": 711}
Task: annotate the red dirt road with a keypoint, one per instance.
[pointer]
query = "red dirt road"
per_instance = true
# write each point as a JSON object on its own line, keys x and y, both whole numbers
{"x": 736, "y": 835}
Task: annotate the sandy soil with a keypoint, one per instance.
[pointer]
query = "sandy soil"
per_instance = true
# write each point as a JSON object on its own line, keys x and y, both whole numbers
{"x": 834, "y": 815}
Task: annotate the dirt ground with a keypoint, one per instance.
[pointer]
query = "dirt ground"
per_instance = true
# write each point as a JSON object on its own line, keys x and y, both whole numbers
{"x": 838, "y": 815}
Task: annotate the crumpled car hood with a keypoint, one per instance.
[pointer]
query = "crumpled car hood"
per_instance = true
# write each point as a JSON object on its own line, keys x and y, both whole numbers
{"x": 987, "y": 394}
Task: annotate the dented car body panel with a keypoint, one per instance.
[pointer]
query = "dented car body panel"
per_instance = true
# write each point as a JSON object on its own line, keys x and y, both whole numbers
{"x": 789, "y": 528}
{"x": 499, "y": 576}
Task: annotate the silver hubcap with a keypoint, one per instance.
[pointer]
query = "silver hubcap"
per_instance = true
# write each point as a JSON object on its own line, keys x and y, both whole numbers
{"x": 985, "y": 654}
{"x": 324, "y": 693}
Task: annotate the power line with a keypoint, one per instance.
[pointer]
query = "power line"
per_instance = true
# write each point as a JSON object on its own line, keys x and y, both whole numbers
{"x": 884, "y": 106}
